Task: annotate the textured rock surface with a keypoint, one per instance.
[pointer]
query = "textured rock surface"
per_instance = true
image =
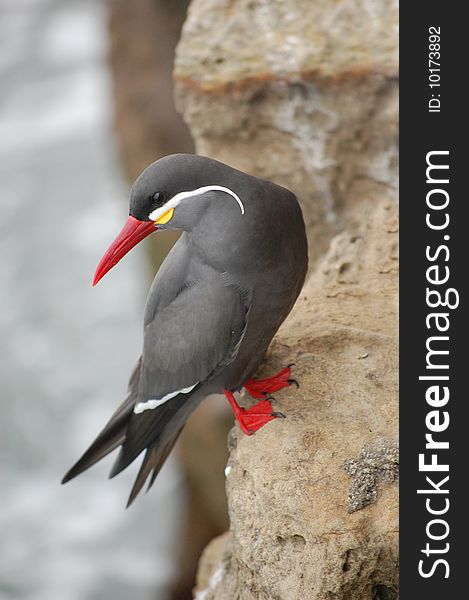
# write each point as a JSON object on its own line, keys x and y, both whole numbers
{"x": 377, "y": 463}
{"x": 305, "y": 93}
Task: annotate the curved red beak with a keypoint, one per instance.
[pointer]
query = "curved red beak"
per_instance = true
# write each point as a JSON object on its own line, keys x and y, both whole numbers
{"x": 133, "y": 232}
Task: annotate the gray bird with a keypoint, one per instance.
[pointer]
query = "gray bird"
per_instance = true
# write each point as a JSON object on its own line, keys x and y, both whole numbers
{"x": 213, "y": 308}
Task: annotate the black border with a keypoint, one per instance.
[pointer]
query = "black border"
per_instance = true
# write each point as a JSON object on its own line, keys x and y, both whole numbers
{"x": 421, "y": 132}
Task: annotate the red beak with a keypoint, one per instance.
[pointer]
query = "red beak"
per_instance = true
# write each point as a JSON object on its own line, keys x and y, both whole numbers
{"x": 133, "y": 232}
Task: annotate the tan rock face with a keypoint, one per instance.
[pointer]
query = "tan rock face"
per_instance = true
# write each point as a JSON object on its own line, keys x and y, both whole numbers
{"x": 233, "y": 42}
{"x": 305, "y": 93}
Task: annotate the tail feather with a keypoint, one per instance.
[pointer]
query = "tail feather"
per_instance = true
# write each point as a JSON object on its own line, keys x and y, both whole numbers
{"x": 151, "y": 466}
{"x": 154, "y": 427}
{"x": 113, "y": 434}
{"x": 110, "y": 438}
{"x": 155, "y": 431}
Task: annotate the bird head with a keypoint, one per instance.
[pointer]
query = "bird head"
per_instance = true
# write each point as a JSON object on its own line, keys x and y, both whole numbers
{"x": 163, "y": 197}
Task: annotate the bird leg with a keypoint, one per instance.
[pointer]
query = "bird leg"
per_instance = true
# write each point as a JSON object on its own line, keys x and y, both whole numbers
{"x": 263, "y": 388}
{"x": 252, "y": 419}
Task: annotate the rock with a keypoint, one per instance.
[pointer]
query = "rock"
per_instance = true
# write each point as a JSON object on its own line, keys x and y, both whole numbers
{"x": 305, "y": 94}
{"x": 212, "y": 568}
{"x": 378, "y": 462}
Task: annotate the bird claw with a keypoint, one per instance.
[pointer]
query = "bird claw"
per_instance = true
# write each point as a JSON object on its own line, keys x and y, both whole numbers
{"x": 263, "y": 388}
{"x": 257, "y": 416}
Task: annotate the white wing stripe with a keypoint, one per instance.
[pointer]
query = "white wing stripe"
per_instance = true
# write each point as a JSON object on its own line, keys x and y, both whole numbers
{"x": 151, "y": 404}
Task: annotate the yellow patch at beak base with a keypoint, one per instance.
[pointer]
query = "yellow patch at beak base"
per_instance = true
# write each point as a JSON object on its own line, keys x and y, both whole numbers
{"x": 165, "y": 217}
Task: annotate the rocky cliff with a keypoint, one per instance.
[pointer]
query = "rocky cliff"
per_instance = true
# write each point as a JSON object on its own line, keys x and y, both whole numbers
{"x": 305, "y": 93}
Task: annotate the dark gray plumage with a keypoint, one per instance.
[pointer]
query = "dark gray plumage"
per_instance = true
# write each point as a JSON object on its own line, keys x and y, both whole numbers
{"x": 215, "y": 304}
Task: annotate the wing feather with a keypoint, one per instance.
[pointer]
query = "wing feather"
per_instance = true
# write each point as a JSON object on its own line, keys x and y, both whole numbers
{"x": 195, "y": 332}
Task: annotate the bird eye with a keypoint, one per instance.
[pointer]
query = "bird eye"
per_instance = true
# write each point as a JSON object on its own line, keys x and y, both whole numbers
{"x": 157, "y": 200}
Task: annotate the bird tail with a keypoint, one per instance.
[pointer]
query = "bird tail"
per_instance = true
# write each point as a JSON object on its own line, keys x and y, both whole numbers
{"x": 154, "y": 459}
{"x": 155, "y": 431}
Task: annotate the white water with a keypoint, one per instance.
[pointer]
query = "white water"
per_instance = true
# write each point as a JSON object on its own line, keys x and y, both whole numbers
{"x": 66, "y": 350}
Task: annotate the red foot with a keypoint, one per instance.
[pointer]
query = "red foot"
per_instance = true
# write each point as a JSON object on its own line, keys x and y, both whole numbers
{"x": 253, "y": 418}
{"x": 262, "y": 388}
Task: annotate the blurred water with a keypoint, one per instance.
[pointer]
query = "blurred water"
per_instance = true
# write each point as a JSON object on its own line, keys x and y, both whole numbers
{"x": 66, "y": 349}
